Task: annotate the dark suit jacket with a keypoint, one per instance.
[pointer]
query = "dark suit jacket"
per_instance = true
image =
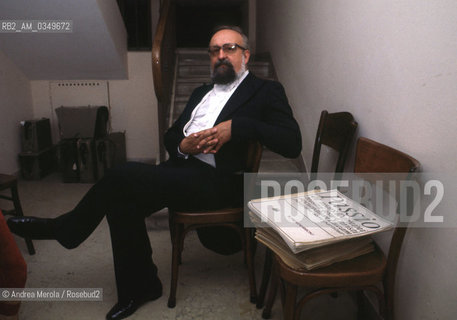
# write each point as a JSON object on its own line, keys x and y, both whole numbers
{"x": 259, "y": 111}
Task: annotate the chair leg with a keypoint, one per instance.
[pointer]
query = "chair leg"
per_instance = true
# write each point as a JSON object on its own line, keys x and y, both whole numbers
{"x": 171, "y": 225}
{"x": 274, "y": 282}
{"x": 289, "y": 302}
{"x": 175, "y": 260}
{"x": 265, "y": 278}
{"x": 250, "y": 263}
{"x": 18, "y": 209}
{"x": 172, "y": 228}
{"x": 360, "y": 305}
{"x": 386, "y": 302}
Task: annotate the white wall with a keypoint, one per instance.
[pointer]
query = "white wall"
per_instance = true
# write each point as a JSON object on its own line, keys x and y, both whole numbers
{"x": 133, "y": 107}
{"x": 96, "y": 47}
{"x": 15, "y": 106}
{"x": 392, "y": 64}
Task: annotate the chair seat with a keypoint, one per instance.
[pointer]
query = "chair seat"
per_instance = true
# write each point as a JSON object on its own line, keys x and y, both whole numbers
{"x": 361, "y": 271}
{"x": 202, "y": 217}
{"x": 6, "y": 181}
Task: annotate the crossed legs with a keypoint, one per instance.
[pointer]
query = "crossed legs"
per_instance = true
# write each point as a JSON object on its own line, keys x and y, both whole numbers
{"x": 126, "y": 196}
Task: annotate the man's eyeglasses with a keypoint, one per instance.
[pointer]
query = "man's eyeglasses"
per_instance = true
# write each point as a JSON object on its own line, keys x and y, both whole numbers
{"x": 228, "y": 48}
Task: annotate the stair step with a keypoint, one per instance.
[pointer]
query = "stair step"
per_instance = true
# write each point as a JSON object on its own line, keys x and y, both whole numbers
{"x": 189, "y": 71}
{"x": 189, "y": 56}
{"x": 191, "y": 61}
{"x": 181, "y": 98}
{"x": 179, "y": 107}
{"x": 186, "y": 88}
{"x": 199, "y": 79}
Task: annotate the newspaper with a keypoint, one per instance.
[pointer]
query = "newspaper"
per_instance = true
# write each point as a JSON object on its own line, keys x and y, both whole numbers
{"x": 318, "y": 257}
{"x": 309, "y": 220}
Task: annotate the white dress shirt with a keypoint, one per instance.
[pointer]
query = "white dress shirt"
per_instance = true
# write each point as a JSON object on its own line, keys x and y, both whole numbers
{"x": 206, "y": 112}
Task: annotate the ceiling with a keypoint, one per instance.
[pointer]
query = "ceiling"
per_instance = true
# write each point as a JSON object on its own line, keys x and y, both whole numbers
{"x": 95, "y": 49}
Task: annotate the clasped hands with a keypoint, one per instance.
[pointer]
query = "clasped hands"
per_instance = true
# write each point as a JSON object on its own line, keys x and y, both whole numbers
{"x": 208, "y": 140}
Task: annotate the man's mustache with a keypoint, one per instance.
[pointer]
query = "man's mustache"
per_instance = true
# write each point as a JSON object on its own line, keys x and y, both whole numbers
{"x": 223, "y": 62}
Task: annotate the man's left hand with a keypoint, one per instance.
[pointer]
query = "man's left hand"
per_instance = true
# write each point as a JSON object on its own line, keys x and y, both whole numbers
{"x": 218, "y": 139}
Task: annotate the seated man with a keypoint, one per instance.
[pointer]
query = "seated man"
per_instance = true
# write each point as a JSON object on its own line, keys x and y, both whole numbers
{"x": 207, "y": 147}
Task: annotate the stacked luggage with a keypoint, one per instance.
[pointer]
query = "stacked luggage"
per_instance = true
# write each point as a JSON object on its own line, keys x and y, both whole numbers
{"x": 86, "y": 149}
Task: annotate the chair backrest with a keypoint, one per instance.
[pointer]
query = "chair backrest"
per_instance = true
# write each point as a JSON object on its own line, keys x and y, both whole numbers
{"x": 336, "y": 131}
{"x": 374, "y": 157}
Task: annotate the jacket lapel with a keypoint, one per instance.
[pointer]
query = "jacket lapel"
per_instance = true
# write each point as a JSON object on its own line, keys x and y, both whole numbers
{"x": 245, "y": 90}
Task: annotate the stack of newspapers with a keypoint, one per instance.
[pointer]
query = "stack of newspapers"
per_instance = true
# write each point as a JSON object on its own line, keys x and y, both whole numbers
{"x": 315, "y": 229}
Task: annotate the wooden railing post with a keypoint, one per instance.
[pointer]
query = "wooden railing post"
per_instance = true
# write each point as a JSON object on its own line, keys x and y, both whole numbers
{"x": 163, "y": 64}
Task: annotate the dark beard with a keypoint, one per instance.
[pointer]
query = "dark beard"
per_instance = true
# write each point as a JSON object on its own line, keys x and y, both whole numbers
{"x": 223, "y": 75}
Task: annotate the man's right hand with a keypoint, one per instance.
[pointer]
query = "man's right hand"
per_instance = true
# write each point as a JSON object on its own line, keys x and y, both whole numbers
{"x": 197, "y": 142}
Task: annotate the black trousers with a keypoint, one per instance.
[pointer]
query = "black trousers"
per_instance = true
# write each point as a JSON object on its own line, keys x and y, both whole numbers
{"x": 128, "y": 194}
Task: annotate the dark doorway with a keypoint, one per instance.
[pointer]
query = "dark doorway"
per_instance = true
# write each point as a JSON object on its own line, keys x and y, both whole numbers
{"x": 137, "y": 20}
{"x": 195, "y": 23}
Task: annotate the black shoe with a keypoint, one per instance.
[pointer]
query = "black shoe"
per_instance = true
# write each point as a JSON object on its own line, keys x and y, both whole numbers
{"x": 123, "y": 310}
{"x": 32, "y": 227}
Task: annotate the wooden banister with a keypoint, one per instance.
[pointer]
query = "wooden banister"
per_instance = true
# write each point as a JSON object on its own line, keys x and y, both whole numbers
{"x": 163, "y": 64}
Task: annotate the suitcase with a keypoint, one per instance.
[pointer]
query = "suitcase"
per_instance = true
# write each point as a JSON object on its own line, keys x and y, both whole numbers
{"x": 68, "y": 160}
{"x": 110, "y": 152}
{"x": 36, "y": 135}
{"x": 86, "y": 160}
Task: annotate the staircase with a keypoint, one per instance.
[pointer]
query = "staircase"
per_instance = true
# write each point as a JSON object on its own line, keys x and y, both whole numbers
{"x": 193, "y": 70}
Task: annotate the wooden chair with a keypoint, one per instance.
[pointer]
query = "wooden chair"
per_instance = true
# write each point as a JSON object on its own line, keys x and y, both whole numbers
{"x": 182, "y": 222}
{"x": 361, "y": 273}
{"x": 10, "y": 182}
{"x": 335, "y": 130}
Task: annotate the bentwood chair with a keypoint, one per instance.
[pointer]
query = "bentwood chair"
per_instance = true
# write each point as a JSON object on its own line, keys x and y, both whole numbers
{"x": 9, "y": 182}
{"x": 335, "y": 130}
{"x": 181, "y": 222}
{"x": 362, "y": 273}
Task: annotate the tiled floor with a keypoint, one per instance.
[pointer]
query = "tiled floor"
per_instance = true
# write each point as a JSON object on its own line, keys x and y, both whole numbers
{"x": 210, "y": 286}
